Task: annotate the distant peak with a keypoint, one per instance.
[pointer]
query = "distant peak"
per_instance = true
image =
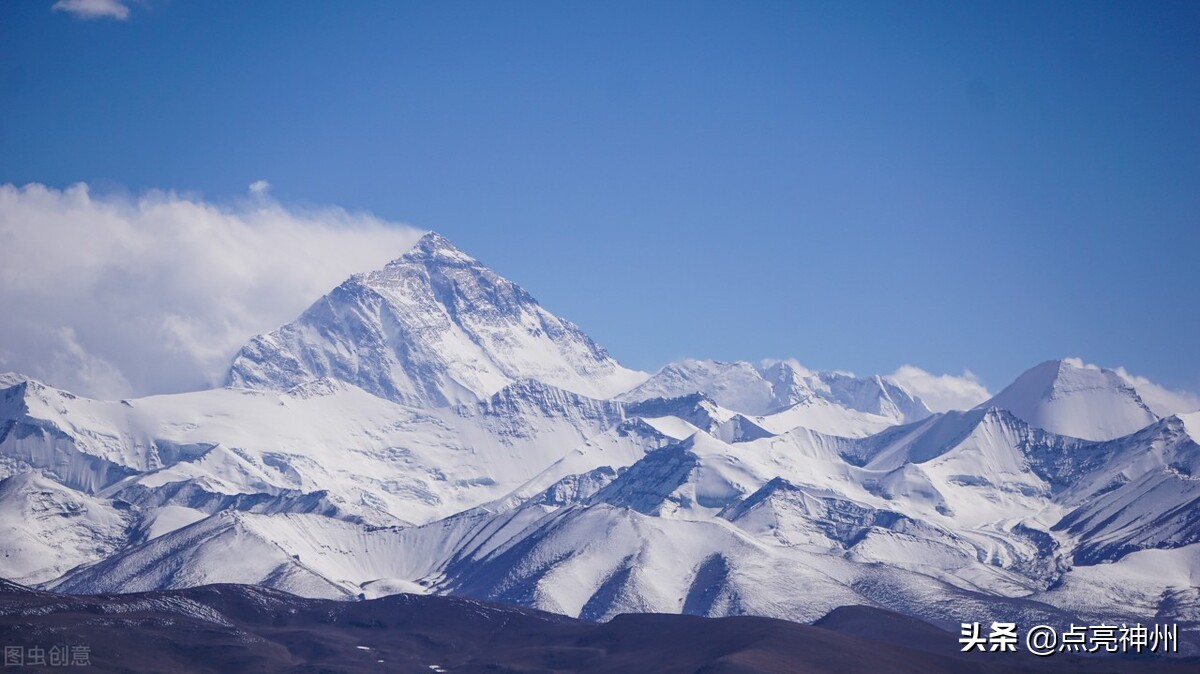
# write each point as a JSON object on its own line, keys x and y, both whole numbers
{"x": 1069, "y": 397}
{"x": 1052, "y": 376}
{"x": 434, "y": 246}
{"x": 433, "y": 241}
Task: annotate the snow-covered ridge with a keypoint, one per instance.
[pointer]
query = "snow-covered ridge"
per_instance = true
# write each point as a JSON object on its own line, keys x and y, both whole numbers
{"x": 781, "y": 395}
{"x": 775, "y": 386}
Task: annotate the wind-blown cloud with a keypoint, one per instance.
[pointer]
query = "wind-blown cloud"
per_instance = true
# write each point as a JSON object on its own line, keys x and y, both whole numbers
{"x": 119, "y": 296}
{"x": 93, "y": 9}
{"x": 944, "y": 392}
{"x": 1161, "y": 400}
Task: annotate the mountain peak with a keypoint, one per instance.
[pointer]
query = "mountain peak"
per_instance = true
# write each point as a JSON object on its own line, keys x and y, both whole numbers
{"x": 1069, "y": 397}
{"x": 433, "y": 247}
{"x": 10, "y": 379}
{"x": 434, "y": 327}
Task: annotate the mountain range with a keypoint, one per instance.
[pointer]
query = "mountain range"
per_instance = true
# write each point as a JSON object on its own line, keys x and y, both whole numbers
{"x": 429, "y": 428}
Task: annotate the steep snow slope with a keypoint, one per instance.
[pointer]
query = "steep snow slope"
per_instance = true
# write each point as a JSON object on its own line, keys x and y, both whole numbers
{"x": 610, "y": 452}
{"x": 1162, "y": 583}
{"x": 47, "y": 529}
{"x": 434, "y": 327}
{"x": 1144, "y": 494}
{"x": 228, "y": 547}
{"x": 980, "y": 468}
{"x": 1069, "y": 398}
{"x": 87, "y": 444}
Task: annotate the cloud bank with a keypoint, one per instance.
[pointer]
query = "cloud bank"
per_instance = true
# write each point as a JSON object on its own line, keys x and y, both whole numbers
{"x": 942, "y": 393}
{"x": 116, "y": 296}
{"x": 93, "y": 9}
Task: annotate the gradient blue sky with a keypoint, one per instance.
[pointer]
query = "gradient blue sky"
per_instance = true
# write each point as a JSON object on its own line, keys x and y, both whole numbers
{"x": 858, "y": 185}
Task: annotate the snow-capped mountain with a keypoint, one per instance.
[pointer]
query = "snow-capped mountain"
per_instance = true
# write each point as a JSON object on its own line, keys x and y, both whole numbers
{"x": 1070, "y": 398}
{"x": 434, "y": 327}
{"x": 785, "y": 395}
{"x": 429, "y": 428}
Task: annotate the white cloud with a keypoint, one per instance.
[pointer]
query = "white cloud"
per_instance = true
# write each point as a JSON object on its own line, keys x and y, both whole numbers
{"x": 115, "y": 296}
{"x": 790, "y": 362}
{"x": 260, "y": 187}
{"x": 942, "y": 392}
{"x": 94, "y": 9}
{"x": 1161, "y": 400}
{"x": 1076, "y": 361}
{"x": 70, "y": 362}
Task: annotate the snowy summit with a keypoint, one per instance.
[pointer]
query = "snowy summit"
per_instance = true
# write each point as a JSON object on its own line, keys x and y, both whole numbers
{"x": 433, "y": 327}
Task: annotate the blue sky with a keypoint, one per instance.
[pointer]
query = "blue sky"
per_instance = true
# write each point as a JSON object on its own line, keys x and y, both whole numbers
{"x": 857, "y": 185}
